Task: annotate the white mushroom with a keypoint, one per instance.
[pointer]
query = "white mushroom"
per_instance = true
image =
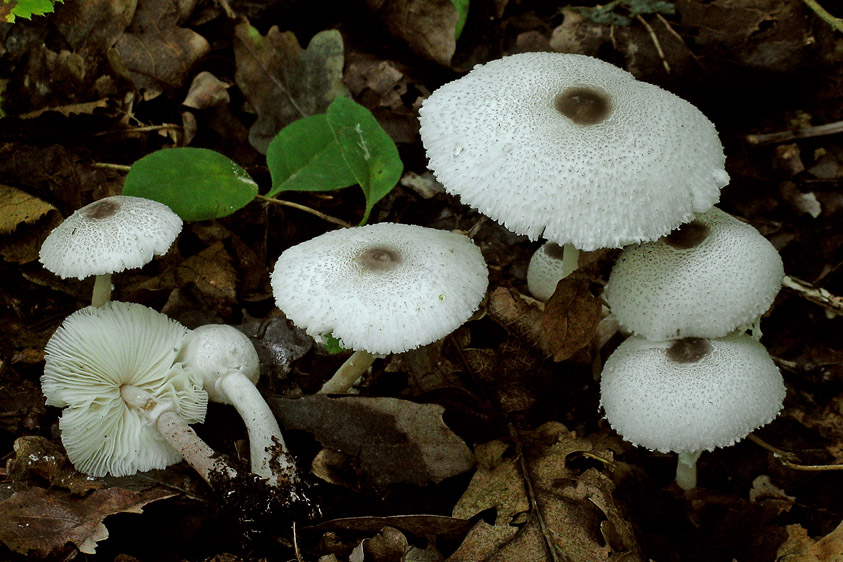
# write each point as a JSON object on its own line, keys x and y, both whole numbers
{"x": 379, "y": 289}
{"x": 706, "y": 279}
{"x": 126, "y": 400}
{"x": 229, "y": 366}
{"x": 549, "y": 265}
{"x": 572, "y": 149}
{"x": 690, "y": 395}
{"x": 109, "y": 236}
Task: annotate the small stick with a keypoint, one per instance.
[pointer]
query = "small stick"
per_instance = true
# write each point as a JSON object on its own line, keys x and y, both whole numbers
{"x": 836, "y": 23}
{"x": 816, "y": 295}
{"x": 803, "y": 133}
{"x": 783, "y": 457}
{"x": 655, "y": 41}
{"x": 304, "y": 208}
{"x": 109, "y": 166}
{"x": 145, "y": 129}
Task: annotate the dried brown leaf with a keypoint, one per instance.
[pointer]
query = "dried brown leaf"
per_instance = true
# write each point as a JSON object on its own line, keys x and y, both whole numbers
{"x": 426, "y": 26}
{"x": 284, "y": 82}
{"x": 583, "y": 518}
{"x": 37, "y": 457}
{"x": 157, "y": 54}
{"x": 394, "y": 441}
{"x": 799, "y": 547}
{"x": 24, "y": 223}
{"x": 40, "y": 522}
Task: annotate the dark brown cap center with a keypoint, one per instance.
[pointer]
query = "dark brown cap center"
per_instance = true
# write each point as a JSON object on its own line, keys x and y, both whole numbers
{"x": 689, "y": 235}
{"x": 688, "y": 350}
{"x": 378, "y": 259}
{"x": 104, "y": 209}
{"x": 583, "y": 106}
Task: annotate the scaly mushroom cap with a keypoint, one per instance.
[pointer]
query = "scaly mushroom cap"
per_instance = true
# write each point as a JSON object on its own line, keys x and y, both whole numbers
{"x": 572, "y": 149}
{"x": 214, "y": 350}
{"x": 382, "y": 288}
{"x": 707, "y": 278}
{"x": 110, "y": 235}
{"x": 91, "y": 356}
{"x": 692, "y": 394}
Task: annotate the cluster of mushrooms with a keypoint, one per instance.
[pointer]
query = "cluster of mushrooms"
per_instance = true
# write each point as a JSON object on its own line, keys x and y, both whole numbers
{"x": 563, "y": 147}
{"x": 577, "y": 151}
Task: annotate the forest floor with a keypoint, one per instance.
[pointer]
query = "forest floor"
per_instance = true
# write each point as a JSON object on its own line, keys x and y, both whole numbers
{"x": 480, "y": 446}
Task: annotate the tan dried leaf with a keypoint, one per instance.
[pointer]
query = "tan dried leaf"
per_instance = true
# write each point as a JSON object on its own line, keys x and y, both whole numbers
{"x": 799, "y": 547}
{"x": 36, "y": 456}
{"x": 25, "y": 221}
{"x": 584, "y": 520}
{"x": 426, "y": 26}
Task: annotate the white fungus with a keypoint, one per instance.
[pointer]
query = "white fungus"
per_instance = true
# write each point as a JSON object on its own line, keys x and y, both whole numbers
{"x": 547, "y": 267}
{"x": 690, "y": 395}
{"x": 572, "y": 149}
{"x": 711, "y": 276}
{"x": 92, "y": 359}
{"x": 383, "y": 288}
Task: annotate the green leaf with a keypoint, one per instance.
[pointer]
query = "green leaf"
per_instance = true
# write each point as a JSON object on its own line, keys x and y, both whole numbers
{"x": 462, "y": 10}
{"x": 305, "y": 156}
{"x": 642, "y": 7}
{"x": 332, "y": 344}
{"x": 196, "y": 183}
{"x": 366, "y": 148}
{"x": 11, "y": 9}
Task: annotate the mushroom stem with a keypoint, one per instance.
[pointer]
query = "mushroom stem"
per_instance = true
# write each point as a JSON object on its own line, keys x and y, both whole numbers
{"x": 350, "y": 371}
{"x": 570, "y": 260}
{"x": 266, "y": 444}
{"x": 102, "y": 290}
{"x": 686, "y": 470}
{"x": 177, "y": 433}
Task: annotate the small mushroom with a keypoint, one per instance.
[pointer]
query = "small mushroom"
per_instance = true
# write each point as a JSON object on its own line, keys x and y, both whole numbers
{"x": 109, "y": 236}
{"x": 549, "y": 265}
{"x": 229, "y": 366}
{"x": 709, "y": 277}
{"x": 572, "y": 149}
{"x": 379, "y": 289}
{"x": 126, "y": 399}
{"x": 690, "y": 395}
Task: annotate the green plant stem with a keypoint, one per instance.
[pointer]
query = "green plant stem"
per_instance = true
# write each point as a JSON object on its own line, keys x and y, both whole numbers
{"x": 836, "y": 23}
{"x": 304, "y": 208}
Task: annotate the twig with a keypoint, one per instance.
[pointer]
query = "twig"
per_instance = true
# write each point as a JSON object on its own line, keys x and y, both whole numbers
{"x": 109, "y": 166}
{"x": 655, "y": 41}
{"x": 783, "y": 457}
{"x": 836, "y": 23}
{"x": 306, "y": 209}
{"x": 816, "y": 295}
{"x": 673, "y": 32}
{"x": 145, "y": 129}
{"x": 229, "y": 13}
{"x": 531, "y": 494}
{"x": 803, "y": 133}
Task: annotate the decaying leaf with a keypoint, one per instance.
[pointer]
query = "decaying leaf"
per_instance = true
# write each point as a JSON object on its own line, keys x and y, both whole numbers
{"x": 39, "y": 522}
{"x": 566, "y": 325}
{"x": 158, "y": 54}
{"x": 284, "y": 82}
{"x": 579, "y": 512}
{"x": 799, "y": 547}
{"x": 37, "y": 457}
{"x": 25, "y": 221}
{"x": 428, "y": 27}
{"x": 394, "y": 441}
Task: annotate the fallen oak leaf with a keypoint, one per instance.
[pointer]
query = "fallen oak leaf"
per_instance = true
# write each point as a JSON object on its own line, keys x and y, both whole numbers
{"x": 284, "y": 82}
{"x": 39, "y": 523}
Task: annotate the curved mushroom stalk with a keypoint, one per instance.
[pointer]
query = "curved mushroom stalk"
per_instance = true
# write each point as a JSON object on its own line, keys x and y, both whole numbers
{"x": 348, "y": 373}
{"x": 229, "y": 366}
{"x": 266, "y": 444}
{"x": 686, "y": 470}
{"x": 180, "y": 436}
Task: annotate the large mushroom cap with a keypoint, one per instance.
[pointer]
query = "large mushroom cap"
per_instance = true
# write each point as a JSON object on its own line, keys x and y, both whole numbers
{"x": 572, "y": 149}
{"x": 704, "y": 280}
{"x": 382, "y": 288}
{"x": 91, "y": 356}
{"x": 690, "y": 395}
{"x": 110, "y": 235}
